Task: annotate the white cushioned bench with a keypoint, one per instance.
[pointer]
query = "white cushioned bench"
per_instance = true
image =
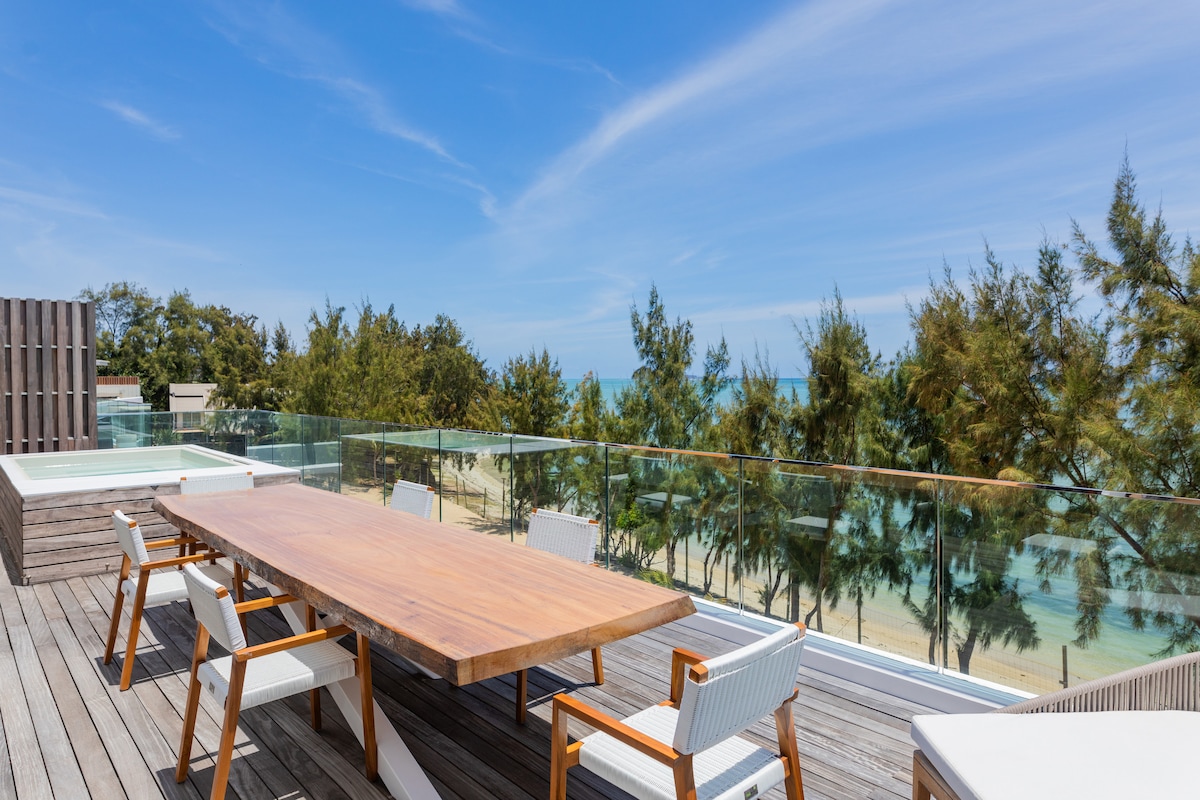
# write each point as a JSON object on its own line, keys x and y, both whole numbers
{"x": 1096, "y": 754}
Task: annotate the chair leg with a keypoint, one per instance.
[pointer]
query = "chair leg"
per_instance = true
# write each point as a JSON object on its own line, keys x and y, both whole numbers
{"x": 597, "y": 666}
{"x": 927, "y": 781}
{"x": 233, "y": 706}
{"x": 193, "y": 704}
{"x": 239, "y": 594}
{"x": 558, "y": 754}
{"x": 118, "y": 604}
{"x": 785, "y": 733}
{"x": 522, "y": 693}
{"x": 685, "y": 778}
{"x": 135, "y": 626}
{"x": 367, "y": 700}
{"x": 239, "y": 580}
{"x": 314, "y": 695}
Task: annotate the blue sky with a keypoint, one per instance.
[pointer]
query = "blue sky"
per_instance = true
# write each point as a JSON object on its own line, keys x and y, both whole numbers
{"x": 530, "y": 168}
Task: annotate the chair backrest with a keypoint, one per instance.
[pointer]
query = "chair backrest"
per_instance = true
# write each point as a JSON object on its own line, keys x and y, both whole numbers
{"x": 200, "y": 484}
{"x": 563, "y": 534}
{"x": 739, "y": 689}
{"x": 129, "y": 536}
{"x": 415, "y": 498}
{"x": 214, "y": 610}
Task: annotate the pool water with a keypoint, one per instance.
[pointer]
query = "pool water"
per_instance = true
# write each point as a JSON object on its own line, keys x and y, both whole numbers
{"x": 95, "y": 463}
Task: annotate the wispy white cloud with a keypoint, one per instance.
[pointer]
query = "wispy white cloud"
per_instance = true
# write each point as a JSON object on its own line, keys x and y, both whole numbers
{"x": 765, "y": 51}
{"x": 830, "y": 71}
{"x": 445, "y": 8}
{"x": 888, "y": 302}
{"x": 283, "y": 44}
{"x": 139, "y": 119}
{"x": 469, "y": 27}
{"x": 51, "y": 203}
{"x": 371, "y": 103}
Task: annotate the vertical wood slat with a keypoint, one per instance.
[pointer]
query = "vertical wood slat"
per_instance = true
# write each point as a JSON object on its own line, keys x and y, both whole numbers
{"x": 6, "y": 371}
{"x": 33, "y": 415}
{"x": 16, "y": 335}
{"x": 47, "y": 432}
{"x": 47, "y": 375}
{"x": 77, "y": 361}
{"x": 62, "y": 428}
{"x": 86, "y": 342}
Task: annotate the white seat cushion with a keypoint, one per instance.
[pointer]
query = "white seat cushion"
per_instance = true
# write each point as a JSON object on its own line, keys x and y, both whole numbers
{"x": 1097, "y": 754}
{"x": 280, "y": 675}
{"x": 726, "y": 771}
{"x": 167, "y": 586}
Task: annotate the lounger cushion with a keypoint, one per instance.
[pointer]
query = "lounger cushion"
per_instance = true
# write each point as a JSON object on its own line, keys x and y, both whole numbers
{"x": 1097, "y": 755}
{"x": 280, "y": 675}
{"x": 725, "y": 771}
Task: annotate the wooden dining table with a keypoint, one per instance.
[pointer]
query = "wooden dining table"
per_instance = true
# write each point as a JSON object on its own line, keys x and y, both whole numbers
{"x": 462, "y": 604}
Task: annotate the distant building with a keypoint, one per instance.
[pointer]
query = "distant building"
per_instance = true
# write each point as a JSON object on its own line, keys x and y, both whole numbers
{"x": 188, "y": 401}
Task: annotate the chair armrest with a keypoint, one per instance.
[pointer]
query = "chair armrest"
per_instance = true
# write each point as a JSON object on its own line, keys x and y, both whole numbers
{"x": 299, "y": 640}
{"x": 159, "y": 543}
{"x": 662, "y": 753}
{"x": 681, "y": 659}
{"x": 1170, "y": 684}
{"x": 178, "y": 561}
{"x": 247, "y": 606}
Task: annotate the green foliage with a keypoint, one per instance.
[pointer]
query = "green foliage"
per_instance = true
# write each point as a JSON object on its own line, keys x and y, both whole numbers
{"x": 531, "y": 398}
{"x": 181, "y": 342}
{"x": 380, "y": 370}
{"x": 664, "y": 407}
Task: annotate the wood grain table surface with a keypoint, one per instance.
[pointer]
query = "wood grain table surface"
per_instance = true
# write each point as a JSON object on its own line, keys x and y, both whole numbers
{"x": 463, "y": 604}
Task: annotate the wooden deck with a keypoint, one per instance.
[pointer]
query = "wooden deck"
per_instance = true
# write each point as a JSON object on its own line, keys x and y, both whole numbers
{"x": 67, "y": 732}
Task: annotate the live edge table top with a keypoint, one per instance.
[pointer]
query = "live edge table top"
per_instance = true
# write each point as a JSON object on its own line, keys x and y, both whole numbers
{"x": 464, "y": 605}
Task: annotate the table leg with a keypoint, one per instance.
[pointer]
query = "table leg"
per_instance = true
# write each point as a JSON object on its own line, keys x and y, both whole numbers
{"x": 398, "y": 770}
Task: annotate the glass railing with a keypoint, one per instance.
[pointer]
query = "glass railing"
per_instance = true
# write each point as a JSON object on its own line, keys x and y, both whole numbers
{"x": 1027, "y": 585}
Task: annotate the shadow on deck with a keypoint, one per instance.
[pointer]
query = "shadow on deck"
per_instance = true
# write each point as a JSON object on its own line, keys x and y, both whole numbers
{"x": 67, "y": 732}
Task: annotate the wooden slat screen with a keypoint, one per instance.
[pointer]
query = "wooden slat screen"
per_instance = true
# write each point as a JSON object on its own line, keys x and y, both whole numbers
{"x": 47, "y": 375}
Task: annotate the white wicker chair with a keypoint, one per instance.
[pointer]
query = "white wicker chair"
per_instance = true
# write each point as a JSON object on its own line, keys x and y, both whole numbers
{"x": 253, "y": 675}
{"x": 203, "y": 484}
{"x": 415, "y": 498}
{"x": 157, "y": 583}
{"x": 689, "y": 747}
{"x": 571, "y": 537}
{"x": 200, "y": 484}
{"x": 1064, "y": 737}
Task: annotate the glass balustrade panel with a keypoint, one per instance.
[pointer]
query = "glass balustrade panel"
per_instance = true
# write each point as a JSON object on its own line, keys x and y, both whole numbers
{"x": 320, "y": 452}
{"x": 668, "y": 515}
{"x": 411, "y": 454}
{"x": 362, "y": 460}
{"x": 1094, "y": 584}
{"x": 848, "y": 552}
{"x": 1012, "y": 561}
{"x": 1036, "y": 587}
{"x": 474, "y": 480}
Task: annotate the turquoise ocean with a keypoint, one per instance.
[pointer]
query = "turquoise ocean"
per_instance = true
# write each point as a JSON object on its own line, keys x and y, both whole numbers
{"x": 613, "y": 387}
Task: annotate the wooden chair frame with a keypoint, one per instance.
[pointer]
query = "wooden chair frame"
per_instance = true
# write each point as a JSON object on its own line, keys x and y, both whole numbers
{"x": 139, "y": 598}
{"x": 684, "y": 663}
{"x": 238, "y": 674}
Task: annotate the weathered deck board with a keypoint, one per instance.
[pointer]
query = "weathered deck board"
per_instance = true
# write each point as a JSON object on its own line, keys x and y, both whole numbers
{"x": 66, "y": 730}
